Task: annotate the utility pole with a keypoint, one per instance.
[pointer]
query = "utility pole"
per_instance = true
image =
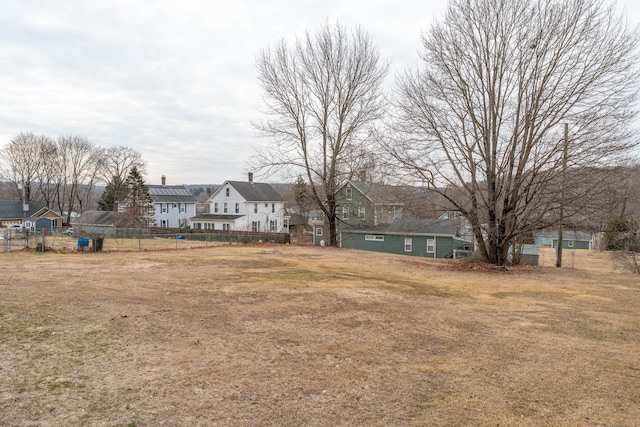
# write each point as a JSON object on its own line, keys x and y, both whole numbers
{"x": 564, "y": 173}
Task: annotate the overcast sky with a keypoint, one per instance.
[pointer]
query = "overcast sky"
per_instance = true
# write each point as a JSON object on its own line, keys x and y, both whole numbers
{"x": 174, "y": 80}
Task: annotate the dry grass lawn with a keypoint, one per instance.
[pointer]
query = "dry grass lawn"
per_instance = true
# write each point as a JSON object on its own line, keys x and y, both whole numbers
{"x": 290, "y": 336}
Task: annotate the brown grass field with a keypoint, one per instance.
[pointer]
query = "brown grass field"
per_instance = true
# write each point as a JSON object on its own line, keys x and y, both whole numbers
{"x": 301, "y": 336}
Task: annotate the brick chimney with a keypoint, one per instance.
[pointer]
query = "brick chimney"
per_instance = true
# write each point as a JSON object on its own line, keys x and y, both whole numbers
{"x": 250, "y": 176}
{"x": 164, "y": 180}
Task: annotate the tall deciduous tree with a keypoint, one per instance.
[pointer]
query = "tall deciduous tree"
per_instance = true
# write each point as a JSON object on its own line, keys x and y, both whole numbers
{"x": 116, "y": 165}
{"x": 21, "y": 160}
{"x": 81, "y": 161}
{"x": 482, "y": 121}
{"x": 321, "y": 95}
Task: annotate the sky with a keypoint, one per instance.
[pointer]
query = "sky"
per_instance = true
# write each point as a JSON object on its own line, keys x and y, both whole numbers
{"x": 174, "y": 80}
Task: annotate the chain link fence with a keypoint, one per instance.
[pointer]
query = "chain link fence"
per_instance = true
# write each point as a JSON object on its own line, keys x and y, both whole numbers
{"x": 126, "y": 240}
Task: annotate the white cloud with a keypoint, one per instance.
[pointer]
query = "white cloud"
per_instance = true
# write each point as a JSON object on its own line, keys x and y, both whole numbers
{"x": 174, "y": 80}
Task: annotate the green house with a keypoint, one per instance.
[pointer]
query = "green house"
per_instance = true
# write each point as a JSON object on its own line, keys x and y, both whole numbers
{"x": 431, "y": 238}
{"x": 571, "y": 239}
{"x": 360, "y": 203}
{"x": 574, "y": 240}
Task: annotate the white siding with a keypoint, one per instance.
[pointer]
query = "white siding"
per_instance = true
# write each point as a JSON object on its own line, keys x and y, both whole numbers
{"x": 174, "y": 216}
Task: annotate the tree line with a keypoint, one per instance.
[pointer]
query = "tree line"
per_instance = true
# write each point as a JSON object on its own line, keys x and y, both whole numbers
{"x": 63, "y": 172}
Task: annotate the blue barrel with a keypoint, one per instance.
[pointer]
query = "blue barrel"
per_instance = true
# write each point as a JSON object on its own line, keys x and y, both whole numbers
{"x": 83, "y": 242}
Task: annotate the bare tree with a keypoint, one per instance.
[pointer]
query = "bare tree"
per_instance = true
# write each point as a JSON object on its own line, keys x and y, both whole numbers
{"x": 482, "y": 122}
{"x": 80, "y": 163}
{"x": 117, "y": 162}
{"x": 21, "y": 162}
{"x": 48, "y": 174}
{"x": 321, "y": 95}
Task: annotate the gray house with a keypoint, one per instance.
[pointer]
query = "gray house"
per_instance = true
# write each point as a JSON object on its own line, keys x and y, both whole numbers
{"x": 13, "y": 212}
{"x": 103, "y": 223}
{"x": 36, "y": 224}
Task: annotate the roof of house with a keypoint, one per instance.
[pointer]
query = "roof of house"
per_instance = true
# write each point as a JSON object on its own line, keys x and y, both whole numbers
{"x": 220, "y": 217}
{"x": 101, "y": 218}
{"x": 566, "y": 235}
{"x": 297, "y": 219}
{"x": 13, "y": 209}
{"x": 377, "y": 193}
{"x": 390, "y": 194}
{"x": 46, "y": 211}
{"x": 170, "y": 194}
{"x": 451, "y": 227}
{"x": 256, "y": 191}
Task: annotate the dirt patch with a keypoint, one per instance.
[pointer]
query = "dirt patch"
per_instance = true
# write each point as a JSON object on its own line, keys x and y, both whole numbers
{"x": 285, "y": 335}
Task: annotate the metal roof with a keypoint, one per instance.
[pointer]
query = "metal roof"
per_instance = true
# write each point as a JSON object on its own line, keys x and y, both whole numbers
{"x": 170, "y": 194}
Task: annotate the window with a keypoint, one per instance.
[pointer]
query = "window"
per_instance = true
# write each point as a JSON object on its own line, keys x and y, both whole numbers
{"x": 285, "y": 224}
{"x": 215, "y": 207}
{"x": 273, "y": 207}
{"x": 266, "y": 205}
{"x": 349, "y": 193}
{"x": 226, "y": 227}
{"x": 164, "y": 207}
{"x": 226, "y": 191}
{"x": 431, "y": 245}
{"x": 408, "y": 244}
{"x": 213, "y": 226}
{"x": 374, "y": 237}
{"x": 345, "y": 213}
{"x": 255, "y": 226}
{"x": 570, "y": 244}
{"x": 182, "y": 207}
{"x": 273, "y": 225}
{"x": 255, "y": 208}
{"x": 163, "y": 224}
{"x": 319, "y": 231}
{"x": 361, "y": 212}
{"x": 225, "y": 209}
{"x": 237, "y": 207}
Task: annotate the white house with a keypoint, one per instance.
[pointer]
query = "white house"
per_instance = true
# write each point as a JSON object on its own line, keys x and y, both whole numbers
{"x": 245, "y": 206}
{"x": 173, "y": 205}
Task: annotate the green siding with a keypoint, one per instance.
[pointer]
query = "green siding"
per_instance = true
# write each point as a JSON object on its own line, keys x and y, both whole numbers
{"x": 357, "y": 200}
{"x": 394, "y": 244}
{"x": 577, "y": 244}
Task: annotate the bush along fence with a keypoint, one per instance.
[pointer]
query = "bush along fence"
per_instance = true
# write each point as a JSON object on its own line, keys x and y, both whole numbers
{"x": 129, "y": 240}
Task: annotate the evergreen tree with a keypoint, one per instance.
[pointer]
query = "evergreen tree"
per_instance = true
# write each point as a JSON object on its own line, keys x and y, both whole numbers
{"x": 302, "y": 196}
{"x": 138, "y": 201}
{"x": 114, "y": 193}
